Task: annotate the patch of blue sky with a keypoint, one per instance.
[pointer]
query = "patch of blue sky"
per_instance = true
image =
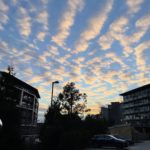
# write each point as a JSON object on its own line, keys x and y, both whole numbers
{"x": 146, "y": 37}
{"x": 55, "y": 11}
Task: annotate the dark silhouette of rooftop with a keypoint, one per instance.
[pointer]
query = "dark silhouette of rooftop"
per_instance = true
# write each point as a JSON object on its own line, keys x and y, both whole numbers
{"x": 136, "y": 89}
{"x": 18, "y": 82}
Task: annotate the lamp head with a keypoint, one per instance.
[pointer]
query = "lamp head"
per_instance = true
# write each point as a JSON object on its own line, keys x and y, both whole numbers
{"x": 56, "y": 82}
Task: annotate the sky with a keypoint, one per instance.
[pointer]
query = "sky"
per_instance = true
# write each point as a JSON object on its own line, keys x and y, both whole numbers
{"x": 101, "y": 45}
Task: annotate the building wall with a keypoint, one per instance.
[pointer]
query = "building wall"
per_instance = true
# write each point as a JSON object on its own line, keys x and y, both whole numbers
{"x": 104, "y": 113}
{"x": 29, "y": 107}
{"x": 128, "y": 131}
{"x": 136, "y": 107}
{"x": 25, "y": 101}
{"x": 122, "y": 130}
{"x": 115, "y": 112}
{"x": 22, "y": 97}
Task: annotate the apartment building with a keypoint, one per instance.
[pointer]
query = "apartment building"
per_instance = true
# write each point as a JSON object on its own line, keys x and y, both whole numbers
{"x": 112, "y": 113}
{"x": 136, "y": 106}
{"x": 105, "y": 113}
{"x": 22, "y": 96}
{"x": 115, "y": 112}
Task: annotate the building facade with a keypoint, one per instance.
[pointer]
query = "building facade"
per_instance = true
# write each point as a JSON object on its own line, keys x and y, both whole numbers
{"x": 136, "y": 106}
{"x": 112, "y": 113}
{"x": 104, "y": 113}
{"x": 115, "y": 113}
{"x": 23, "y": 97}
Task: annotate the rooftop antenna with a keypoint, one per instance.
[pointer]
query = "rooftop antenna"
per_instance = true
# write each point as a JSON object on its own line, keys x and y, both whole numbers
{"x": 11, "y": 70}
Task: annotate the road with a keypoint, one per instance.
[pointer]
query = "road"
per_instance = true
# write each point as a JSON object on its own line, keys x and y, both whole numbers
{"x": 145, "y": 145}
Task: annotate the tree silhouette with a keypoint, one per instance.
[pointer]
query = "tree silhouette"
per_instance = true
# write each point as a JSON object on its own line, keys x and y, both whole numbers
{"x": 71, "y": 100}
{"x": 63, "y": 128}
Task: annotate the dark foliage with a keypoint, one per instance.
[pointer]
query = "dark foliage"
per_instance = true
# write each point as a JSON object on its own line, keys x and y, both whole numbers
{"x": 95, "y": 124}
{"x": 63, "y": 127}
{"x": 67, "y": 131}
{"x": 70, "y": 132}
{"x": 71, "y": 100}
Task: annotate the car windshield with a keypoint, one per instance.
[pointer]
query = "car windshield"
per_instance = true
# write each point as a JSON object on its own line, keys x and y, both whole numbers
{"x": 120, "y": 137}
{"x": 106, "y": 137}
{"x": 111, "y": 136}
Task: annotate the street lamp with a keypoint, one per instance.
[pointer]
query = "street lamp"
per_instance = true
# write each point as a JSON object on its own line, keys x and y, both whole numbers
{"x": 53, "y": 90}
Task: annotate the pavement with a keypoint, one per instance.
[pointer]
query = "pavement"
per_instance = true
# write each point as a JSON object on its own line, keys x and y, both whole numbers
{"x": 145, "y": 145}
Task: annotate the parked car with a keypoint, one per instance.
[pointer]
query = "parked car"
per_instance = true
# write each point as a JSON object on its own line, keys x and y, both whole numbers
{"x": 130, "y": 142}
{"x": 107, "y": 141}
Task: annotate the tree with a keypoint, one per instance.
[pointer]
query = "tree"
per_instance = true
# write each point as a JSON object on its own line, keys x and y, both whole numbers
{"x": 53, "y": 113}
{"x": 63, "y": 128}
{"x": 71, "y": 100}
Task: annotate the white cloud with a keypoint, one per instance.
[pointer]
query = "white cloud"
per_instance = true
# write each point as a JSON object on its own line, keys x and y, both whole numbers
{"x": 24, "y": 22}
{"x": 4, "y": 7}
{"x": 134, "y": 5}
{"x": 53, "y": 50}
{"x": 94, "y": 60}
{"x": 116, "y": 32}
{"x": 3, "y": 14}
{"x": 44, "y": 1}
{"x": 139, "y": 53}
{"x": 3, "y": 46}
{"x": 143, "y": 22}
{"x": 79, "y": 60}
{"x": 36, "y": 79}
{"x": 28, "y": 72}
{"x": 41, "y": 36}
{"x": 119, "y": 25}
{"x": 106, "y": 41}
{"x": 4, "y": 50}
{"x": 67, "y": 21}
{"x": 115, "y": 58}
{"x": 141, "y": 27}
{"x": 42, "y": 18}
{"x": 94, "y": 28}
{"x": 14, "y": 2}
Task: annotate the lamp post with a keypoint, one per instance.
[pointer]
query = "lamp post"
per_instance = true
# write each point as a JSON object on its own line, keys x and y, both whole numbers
{"x": 53, "y": 90}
